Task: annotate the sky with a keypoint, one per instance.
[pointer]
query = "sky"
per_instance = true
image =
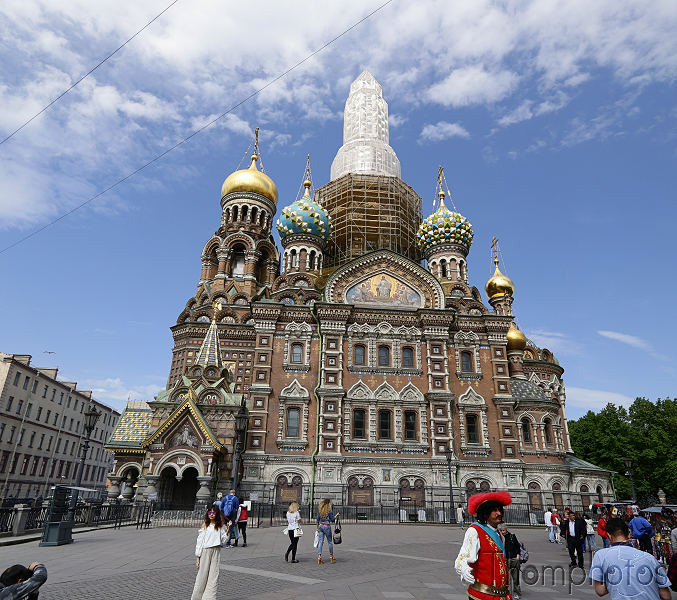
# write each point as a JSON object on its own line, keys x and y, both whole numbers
{"x": 555, "y": 122}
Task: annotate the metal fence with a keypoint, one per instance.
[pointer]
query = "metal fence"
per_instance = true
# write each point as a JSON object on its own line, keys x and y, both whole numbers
{"x": 6, "y": 519}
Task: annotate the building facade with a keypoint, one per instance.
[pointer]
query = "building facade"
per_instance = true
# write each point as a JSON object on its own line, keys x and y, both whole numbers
{"x": 41, "y": 429}
{"x": 371, "y": 368}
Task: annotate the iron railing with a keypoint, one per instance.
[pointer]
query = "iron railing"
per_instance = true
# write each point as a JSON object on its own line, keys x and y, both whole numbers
{"x": 6, "y": 519}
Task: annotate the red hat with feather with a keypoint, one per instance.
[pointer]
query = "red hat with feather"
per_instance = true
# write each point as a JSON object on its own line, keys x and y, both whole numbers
{"x": 476, "y": 500}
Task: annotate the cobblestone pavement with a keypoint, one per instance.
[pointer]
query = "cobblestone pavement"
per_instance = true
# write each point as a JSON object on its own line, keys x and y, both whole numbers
{"x": 374, "y": 563}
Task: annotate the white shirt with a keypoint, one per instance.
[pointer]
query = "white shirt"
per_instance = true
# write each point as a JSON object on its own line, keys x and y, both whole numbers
{"x": 293, "y": 520}
{"x": 470, "y": 550}
{"x": 572, "y": 529}
{"x": 459, "y": 513}
{"x": 209, "y": 537}
{"x": 547, "y": 518}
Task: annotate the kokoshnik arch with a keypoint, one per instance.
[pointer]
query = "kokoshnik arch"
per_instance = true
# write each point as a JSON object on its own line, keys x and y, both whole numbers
{"x": 359, "y": 367}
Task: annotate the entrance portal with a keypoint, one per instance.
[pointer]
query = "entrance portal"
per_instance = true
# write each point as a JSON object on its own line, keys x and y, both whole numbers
{"x": 177, "y": 495}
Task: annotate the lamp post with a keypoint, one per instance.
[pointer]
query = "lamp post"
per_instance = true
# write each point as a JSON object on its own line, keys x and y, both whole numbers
{"x": 629, "y": 473}
{"x": 449, "y": 453}
{"x": 241, "y": 421}
{"x": 91, "y": 417}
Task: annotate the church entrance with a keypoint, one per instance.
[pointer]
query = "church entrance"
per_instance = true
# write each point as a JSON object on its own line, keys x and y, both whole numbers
{"x": 177, "y": 495}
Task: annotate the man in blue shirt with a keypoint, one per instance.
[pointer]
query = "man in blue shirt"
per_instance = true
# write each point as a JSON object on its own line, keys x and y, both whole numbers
{"x": 229, "y": 506}
{"x": 624, "y": 572}
{"x": 642, "y": 532}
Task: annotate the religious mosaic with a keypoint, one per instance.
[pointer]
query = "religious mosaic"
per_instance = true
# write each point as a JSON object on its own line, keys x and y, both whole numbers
{"x": 384, "y": 290}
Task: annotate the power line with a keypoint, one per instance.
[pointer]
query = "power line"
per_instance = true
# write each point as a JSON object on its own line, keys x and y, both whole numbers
{"x": 199, "y": 130}
{"x": 62, "y": 94}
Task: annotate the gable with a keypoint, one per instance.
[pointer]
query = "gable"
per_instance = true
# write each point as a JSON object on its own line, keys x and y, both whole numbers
{"x": 384, "y": 279}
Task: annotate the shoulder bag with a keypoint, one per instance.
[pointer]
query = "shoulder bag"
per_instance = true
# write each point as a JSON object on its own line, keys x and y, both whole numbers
{"x": 337, "y": 531}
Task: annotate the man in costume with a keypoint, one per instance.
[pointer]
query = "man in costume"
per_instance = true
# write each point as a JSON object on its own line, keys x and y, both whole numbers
{"x": 481, "y": 561}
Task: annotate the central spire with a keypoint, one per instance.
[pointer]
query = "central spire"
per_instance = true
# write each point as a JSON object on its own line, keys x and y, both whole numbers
{"x": 365, "y": 133}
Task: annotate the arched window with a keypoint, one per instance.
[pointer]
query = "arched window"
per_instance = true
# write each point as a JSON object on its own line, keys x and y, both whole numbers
{"x": 443, "y": 265}
{"x": 548, "y": 431}
{"x": 311, "y": 261}
{"x": 466, "y": 361}
{"x": 585, "y": 497}
{"x": 293, "y": 422}
{"x": 244, "y": 212}
{"x": 297, "y": 353}
{"x": 600, "y": 496}
{"x": 235, "y": 213}
{"x": 358, "y": 355}
{"x": 255, "y": 215}
{"x": 407, "y": 357}
{"x": 526, "y": 431}
{"x": 359, "y": 421}
{"x": 384, "y": 425}
{"x": 472, "y": 429}
{"x": 383, "y": 356}
{"x": 410, "y": 429}
{"x": 238, "y": 261}
{"x": 294, "y": 259}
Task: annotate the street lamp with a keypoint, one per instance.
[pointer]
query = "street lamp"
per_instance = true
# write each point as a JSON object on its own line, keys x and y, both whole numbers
{"x": 449, "y": 453}
{"x": 91, "y": 417}
{"x": 241, "y": 421}
{"x": 629, "y": 473}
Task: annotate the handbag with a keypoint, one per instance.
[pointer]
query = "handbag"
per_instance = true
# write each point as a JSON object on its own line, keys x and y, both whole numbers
{"x": 298, "y": 532}
{"x": 316, "y": 539}
{"x": 524, "y": 553}
{"x": 337, "y": 531}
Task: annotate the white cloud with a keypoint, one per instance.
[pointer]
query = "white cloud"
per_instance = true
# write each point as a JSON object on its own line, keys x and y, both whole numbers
{"x": 116, "y": 392}
{"x": 555, "y": 341}
{"x": 634, "y": 341}
{"x": 583, "y": 399}
{"x": 442, "y": 131}
{"x": 472, "y": 85}
{"x": 396, "y": 120}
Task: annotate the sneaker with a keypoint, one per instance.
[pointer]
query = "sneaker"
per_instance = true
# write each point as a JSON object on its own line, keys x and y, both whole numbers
{"x": 244, "y": 545}
{"x": 516, "y": 597}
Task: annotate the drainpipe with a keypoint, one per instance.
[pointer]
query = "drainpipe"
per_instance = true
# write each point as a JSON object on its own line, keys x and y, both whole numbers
{"x": 313, "y": 458}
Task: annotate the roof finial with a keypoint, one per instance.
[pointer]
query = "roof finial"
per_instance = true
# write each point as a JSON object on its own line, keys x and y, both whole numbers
{"x": 307, "y": 178}
{"x": 494, "y": 250}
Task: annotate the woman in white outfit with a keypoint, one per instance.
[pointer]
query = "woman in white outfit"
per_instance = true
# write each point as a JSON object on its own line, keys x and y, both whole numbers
{"x": 211, "y": 536}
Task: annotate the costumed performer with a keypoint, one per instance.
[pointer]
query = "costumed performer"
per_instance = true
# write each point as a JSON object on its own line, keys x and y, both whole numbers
{"x": 481, "y": 561}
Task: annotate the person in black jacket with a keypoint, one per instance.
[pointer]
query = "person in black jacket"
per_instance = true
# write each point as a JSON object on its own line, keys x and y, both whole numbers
{"x": 575, "y": 535}
{"x": 512, "y": 556}
{"x": 19, "y": 582}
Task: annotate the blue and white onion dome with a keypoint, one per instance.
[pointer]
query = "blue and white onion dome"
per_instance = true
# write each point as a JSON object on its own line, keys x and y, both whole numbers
{"x": 304, "y": 216}
{"x": 444, "y": 227}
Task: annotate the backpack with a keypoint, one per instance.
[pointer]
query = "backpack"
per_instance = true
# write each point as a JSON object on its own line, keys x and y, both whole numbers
{"x": 524, "y": 553}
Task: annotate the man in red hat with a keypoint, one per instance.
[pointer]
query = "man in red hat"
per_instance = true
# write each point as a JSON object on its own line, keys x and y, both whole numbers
{"x": 481, "y": 561}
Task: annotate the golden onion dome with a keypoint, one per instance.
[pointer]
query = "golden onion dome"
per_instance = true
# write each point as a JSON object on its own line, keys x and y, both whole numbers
{"x": 516, "y": 339}
{"x": 250, "y": 180}
{"x": 499, "y": 284}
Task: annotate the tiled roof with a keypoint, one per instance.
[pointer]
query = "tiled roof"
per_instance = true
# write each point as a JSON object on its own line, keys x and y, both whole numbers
{"x": 526, "y": 390}
{"x": 133, "y": 426}
{"x": 209, "y": 353}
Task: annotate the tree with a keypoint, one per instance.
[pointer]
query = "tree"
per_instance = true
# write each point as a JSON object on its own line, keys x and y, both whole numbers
{"x": 646, "y": 433}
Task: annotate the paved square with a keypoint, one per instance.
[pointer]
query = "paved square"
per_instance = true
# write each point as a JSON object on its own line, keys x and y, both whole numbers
{"x": 374, "y": 563}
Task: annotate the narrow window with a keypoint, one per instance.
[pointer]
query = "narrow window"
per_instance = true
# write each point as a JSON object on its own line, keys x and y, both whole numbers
{"x": 297, "y": 353}
{"x": 443, "y": 264}
{"x": 466, "y": 361}
{"x": 471, "y": 429}
{"x": 359, "y": 419}
{"x": 384, "y": 429}
{"x": 17, "y": 376}
{"x": 293, "y": 422}
{"x": 410, "y": 426}
{"x": 548, "y": 433}
{"x": 383, "y": 356}
{"x": 238, "y": 263}
{"x": 526, "y": 431}
{"x": 358, "y": 355}
{"x": 407, "y": 357}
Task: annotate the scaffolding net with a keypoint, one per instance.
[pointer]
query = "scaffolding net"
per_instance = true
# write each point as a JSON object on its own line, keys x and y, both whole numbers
{"x": 370, "y": 212}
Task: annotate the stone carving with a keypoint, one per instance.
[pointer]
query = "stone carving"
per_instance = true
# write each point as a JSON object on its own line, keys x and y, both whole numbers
{"x": 185, "y": 437}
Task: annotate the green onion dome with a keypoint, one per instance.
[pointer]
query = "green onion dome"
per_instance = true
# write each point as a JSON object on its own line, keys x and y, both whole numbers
{"x": 444, "y": 227}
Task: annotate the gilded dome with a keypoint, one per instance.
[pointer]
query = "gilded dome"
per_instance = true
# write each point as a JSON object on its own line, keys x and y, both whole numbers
{"x": 304, "y": 216}
{"x": 499, "y": 284}
{"x": 250, "y": 180}
{"x": 444, "y": 227}
{"x": 516, "y": 339}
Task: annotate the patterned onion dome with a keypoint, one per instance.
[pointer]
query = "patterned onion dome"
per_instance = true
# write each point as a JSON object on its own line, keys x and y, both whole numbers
{"x": 250, "y": 180}
{"x": 304, "y": 216}
{"x": 444, "y": 227}
{"x": 499, "y": 284}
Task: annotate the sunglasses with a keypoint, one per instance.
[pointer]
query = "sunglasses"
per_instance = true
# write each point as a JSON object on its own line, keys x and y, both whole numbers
{"x": 211, "y": 515}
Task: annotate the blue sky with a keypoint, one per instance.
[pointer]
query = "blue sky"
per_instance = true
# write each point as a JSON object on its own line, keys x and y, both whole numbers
{"x": 555, "y": 122}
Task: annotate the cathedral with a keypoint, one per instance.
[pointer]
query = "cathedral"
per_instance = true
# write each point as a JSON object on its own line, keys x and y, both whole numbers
{"x": 357, "y": 361}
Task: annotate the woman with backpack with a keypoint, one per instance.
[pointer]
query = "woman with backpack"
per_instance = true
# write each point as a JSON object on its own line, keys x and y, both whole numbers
{"x": 325, "y": 517}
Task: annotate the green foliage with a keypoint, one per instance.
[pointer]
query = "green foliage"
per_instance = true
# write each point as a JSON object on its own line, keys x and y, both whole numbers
{"x": 647, "y": 433}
